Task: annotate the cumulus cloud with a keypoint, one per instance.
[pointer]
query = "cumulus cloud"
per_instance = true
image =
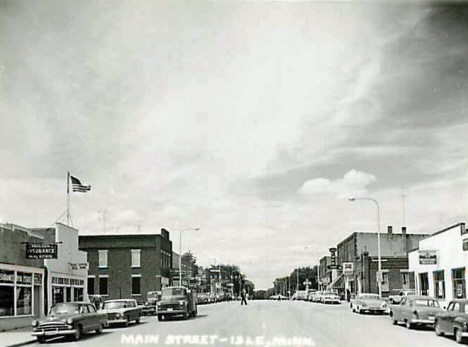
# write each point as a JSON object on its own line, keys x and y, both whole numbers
{"x": 353, "y": 183}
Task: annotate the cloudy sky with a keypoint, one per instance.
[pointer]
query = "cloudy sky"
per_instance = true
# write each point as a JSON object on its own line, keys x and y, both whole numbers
{"x": 253, "y": 120}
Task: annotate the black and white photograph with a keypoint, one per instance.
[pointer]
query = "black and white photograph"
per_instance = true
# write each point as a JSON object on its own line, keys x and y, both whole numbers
{"x": 233, "y": 173}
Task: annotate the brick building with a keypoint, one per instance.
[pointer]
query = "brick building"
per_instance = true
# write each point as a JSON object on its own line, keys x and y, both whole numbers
{"x": 361, "y": 249}
{"x": 127, "y": 265}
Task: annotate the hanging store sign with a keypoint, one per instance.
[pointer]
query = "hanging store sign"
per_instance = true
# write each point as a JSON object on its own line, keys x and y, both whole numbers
{"x": 427, "y": 257}
{"x": 41, "y": 251}
{"x": 348, "y": 268}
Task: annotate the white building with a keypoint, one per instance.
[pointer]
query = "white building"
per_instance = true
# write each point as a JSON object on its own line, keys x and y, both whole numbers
{"x": 440, "y": 263}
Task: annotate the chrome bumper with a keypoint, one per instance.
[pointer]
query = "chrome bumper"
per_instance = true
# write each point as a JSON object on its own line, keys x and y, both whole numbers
{"x": 423, "y": 321}
{"x": 53, "y": 332}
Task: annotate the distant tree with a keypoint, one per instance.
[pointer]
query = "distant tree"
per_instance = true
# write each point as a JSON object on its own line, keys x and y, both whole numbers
{"x": 189, "y": 257}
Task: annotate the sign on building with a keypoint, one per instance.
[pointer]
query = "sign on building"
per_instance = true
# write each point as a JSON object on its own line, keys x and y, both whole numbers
{"x": 41, "y": 251}
{"x": 78, "y": 266}
{"x": 348, "y": 268}
{"x": 333, "y": 255}
{"x": 427, "y": 257}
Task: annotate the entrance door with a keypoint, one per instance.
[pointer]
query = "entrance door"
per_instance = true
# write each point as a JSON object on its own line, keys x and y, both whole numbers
{"x": 424, "y": 284}
{"x": 37, "y": 301}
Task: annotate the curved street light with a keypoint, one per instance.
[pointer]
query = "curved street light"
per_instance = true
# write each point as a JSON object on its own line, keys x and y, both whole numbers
{"x": 379, "y": 279}
{"x": 180, "y": 251}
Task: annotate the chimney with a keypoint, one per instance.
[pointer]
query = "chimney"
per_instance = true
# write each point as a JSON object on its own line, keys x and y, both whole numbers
{"x": 389, "y": 230}
{"x": 403, "y": 231}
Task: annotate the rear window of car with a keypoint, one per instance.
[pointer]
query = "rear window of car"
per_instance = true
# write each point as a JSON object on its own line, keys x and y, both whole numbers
{"x": 424, "y": 302}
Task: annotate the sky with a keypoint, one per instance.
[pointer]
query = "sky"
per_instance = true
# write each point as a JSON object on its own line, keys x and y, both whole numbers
{"x": 254, "y": 121}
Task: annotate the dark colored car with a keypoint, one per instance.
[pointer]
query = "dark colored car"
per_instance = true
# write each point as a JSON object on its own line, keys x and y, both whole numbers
{"x": 415, "y": 310}
{"x": 454, "y": 321}
{"x": 69, "y": 319}
{"x": 177, "y": 301}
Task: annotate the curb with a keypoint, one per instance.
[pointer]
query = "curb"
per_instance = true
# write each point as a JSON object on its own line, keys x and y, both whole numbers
{"x": 22, "y": 343}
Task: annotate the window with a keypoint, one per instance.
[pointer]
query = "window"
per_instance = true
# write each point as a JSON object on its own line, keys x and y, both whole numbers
{"x": 405, "y": 280}
{"x": 90, "y": 285}
{"x": 439, "y": 284}
{"x": 78, "y": 293}
{"x": 91, "y": 308}
{"x": 103, "y": 286}
{"x": 136, "y": 261}
{"x": 136, "y": 281}
{"x": 458, "y": 282}
{"x": 102, "y": 255}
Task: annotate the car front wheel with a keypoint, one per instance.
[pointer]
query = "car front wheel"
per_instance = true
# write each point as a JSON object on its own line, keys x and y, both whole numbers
{"x": 77, "y": 335}
{"x": 41, "y": 339}
{"x": 408, "y": 324}
{"x": 99, "y": 330}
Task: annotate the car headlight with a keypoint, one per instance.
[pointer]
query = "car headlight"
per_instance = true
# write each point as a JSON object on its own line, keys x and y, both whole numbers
{"x": 181, "y": 303}
{"x": 118, "y": 315}
{"x": 34, "y": 323}
{"x": 69, "y": 321}
{"x": 364, "y": 304}
{"x": 384, "y": 305}
{"x": 465, "y": 326}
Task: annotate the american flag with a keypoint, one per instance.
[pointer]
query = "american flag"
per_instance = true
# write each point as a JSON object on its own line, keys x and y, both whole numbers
{"x": 78, "y": 187}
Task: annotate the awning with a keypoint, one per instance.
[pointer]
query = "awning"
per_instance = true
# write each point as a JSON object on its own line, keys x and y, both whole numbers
{"x": 337, "y": 283}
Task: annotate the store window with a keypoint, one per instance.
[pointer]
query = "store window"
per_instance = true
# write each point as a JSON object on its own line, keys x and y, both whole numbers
{"x": 77, "y": 294}
{"x": 136, "y": 255}
{"x": 136, "y": 281}
{"x": 23, "y": 301}
{"x": 102, "y": 256}
{"x": 423, "y": 284}
{"x": 439, "y": 284}
{"x": 458, "y": 283}
{"x": 103, "y": 286}
{"x": 91, "y": 285}
{"x": 7, "y": 294}
{"x": 58, "y": 295}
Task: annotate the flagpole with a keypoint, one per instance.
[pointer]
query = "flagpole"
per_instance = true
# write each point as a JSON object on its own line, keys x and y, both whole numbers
{"x": 68, "y": 198}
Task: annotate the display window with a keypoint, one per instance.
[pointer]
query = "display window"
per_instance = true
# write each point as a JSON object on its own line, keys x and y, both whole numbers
{"x": 7, "y": 294}
{"x": 23, "y": 301}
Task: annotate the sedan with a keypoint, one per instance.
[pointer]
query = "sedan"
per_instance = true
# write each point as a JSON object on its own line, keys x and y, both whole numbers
{"x": 416, "y": 310}
{"x": 367, "y": 302}
{"x": 454, "y": 321}
{"x": 330, "y": 297}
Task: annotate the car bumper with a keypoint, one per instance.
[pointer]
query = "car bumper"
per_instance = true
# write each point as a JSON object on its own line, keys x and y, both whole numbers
{"x": 373, "y": 309}
{"x": 171, "y": 312}
{"x": 116, "y": 321}
{"x": 53, "y": 332}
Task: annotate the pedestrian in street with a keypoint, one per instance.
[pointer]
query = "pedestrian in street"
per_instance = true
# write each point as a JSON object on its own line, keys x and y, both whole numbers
{"x": 244, "y": 296}
{"x": 348, "y": 295}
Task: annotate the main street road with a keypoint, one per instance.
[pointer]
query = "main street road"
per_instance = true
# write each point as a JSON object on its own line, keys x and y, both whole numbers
{"x": 266, "y": 323}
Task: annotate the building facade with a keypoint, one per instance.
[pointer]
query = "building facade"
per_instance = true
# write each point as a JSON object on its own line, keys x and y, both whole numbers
{"x": 439, "y": 264}
{"x": 21, "y": 279}
{"x": 127, "y": 265}
{"x": 359, "y": 253}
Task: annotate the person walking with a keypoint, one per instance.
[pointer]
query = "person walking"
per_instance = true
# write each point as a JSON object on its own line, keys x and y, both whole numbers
{"x": 244, "y": 297}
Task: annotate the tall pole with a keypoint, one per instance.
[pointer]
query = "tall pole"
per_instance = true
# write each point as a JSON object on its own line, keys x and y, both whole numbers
{"x": 180, "y": 252}
{"x": 379, "y": 276}
{"x": 68, "y": 198}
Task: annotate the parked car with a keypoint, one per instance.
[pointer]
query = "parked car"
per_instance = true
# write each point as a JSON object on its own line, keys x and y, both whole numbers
{"x": 367, "y": 302}
{"x": 150, "y": 306}
{"x": 396, "y": 299}
{"x": 122, "y": 311}
{"x": 310, "y": 294}
{"x": 330, "y": 297}
{"x": 318, "y": 296}
{"x": 177, "y": 301}
{"x": 454, "y": 321}
{"x": 69, "y": 319}
{"x": 203, "y": 298}
{"x": 415, "y": 310}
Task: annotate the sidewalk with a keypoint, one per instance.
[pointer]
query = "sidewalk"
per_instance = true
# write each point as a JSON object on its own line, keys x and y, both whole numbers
{"x": 16, "y": 338}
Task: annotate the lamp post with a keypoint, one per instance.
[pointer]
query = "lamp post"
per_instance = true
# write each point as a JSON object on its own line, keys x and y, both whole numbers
{"x": 379, "y": 279}
{"x": 180, "y": 251}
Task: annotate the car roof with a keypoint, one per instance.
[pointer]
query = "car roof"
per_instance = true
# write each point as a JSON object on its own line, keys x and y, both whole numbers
{"x": 463, "y": 301}
{"x": 119, "y": 300}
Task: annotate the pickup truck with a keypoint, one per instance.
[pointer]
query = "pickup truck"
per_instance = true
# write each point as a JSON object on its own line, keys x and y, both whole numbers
{"x": 150, "y": 306}
{"x": 121, "y": 311}
{"x": 177, "y": 301}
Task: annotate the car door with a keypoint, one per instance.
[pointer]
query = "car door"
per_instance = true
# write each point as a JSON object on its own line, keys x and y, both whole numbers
{"x": 443, "y": 318}
{"x": 406, "y": 307}
{"x": 93, "y": 318}
{"x": 452, "y": 313}
{"x": 397, "y": 310}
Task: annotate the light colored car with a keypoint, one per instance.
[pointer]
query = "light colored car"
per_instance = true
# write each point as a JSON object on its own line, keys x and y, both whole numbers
{"x": 310, "y": 294}
{"x": 368, "y": 302}
{"x": 396, "y": 299}
{"x": 330, "y": 298}
{"x": 122, "y": 311}
{"x": 416, "y": 310}
{"x": 317, "y": 297}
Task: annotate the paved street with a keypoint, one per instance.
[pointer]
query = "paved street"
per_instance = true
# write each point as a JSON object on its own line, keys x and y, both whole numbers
{"x": 263, "y": 323}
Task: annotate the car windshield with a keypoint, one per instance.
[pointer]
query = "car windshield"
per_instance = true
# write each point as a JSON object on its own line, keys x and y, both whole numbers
{"x": 110, "y": 305}
{"x": 170, "y": 292}
{"x": 425, "y": 302}
{"x": 370, "y": 297}
{"x": 64, "y": 308}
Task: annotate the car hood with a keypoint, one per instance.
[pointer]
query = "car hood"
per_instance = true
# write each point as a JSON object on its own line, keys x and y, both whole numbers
{"x": 62, "y": 318}
{"x": 374, "y": 302}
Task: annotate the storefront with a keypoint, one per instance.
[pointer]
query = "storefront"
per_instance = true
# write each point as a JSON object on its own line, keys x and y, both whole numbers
{"x": 21, "y": 294}
{"x": 439, "y": 264}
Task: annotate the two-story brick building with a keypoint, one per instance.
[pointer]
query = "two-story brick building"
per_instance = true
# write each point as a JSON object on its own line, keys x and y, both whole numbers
{"x": 127, "y": 265}
{"x": 361, "y": 249}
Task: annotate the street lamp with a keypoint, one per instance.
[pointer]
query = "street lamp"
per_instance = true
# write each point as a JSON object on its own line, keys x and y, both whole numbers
{"x": 180, "y": 251}
{"x": 379, "y": 279}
